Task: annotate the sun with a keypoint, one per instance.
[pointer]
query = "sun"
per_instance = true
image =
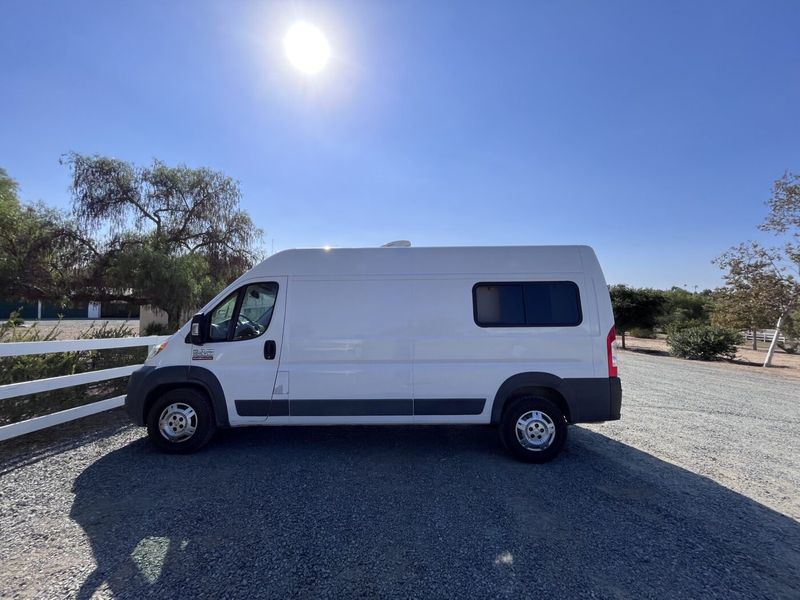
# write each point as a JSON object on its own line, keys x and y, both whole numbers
{"x": 306, "y": 48}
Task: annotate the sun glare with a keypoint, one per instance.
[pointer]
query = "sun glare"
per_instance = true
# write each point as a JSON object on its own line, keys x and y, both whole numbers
{"x": 306, "y": 48}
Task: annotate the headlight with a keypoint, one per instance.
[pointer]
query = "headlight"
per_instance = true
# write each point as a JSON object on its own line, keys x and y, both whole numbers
{"x": 154, "y": 350}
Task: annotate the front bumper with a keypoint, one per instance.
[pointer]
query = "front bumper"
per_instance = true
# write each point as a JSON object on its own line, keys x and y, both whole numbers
{"x": 137, "y": 394}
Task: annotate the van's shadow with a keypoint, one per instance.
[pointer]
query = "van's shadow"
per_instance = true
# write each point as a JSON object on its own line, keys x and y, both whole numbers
{"x": 422, "y": 512}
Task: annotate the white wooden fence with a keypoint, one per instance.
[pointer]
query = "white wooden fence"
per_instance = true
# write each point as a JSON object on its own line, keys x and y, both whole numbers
{"x": 55, "y": 383}
{"x": 764, "y": 335}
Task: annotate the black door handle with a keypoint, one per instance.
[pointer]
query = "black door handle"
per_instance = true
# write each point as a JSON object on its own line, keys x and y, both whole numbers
{"x": 269, "y": 349}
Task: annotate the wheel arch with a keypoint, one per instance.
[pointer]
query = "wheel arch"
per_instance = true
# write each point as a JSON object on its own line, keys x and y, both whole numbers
{"x": 542, "y": 384}
{"x": 165, "y": 379}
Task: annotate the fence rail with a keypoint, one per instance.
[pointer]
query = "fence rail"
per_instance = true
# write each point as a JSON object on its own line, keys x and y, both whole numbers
{"x": 764, "y": 336}
{"x": 54, "y": 383}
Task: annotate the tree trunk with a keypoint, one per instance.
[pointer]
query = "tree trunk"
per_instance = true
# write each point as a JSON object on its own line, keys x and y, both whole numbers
{"x": 623, "y": 339}
{"x": 774, "y": 342}
{"x": 755, "y": 340}
{"x": 172, "y": 316}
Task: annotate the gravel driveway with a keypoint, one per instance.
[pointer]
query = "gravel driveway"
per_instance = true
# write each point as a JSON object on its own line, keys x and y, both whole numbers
{"x": 694, "y": 494}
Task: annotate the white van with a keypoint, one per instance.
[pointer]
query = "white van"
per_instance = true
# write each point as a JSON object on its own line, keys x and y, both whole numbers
{"x": 519, "y": 337}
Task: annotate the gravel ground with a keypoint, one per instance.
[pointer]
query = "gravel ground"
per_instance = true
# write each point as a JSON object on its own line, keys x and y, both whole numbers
{"x": 694, "y": 494}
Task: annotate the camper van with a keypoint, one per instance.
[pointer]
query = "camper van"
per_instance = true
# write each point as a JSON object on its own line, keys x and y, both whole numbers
{"x": 518, "y": 337}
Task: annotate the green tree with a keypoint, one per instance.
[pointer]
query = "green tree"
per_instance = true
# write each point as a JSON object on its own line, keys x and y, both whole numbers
{"x": 682, "y": 307}
{"x": 38, "y": 249}
{"x": 746, "y": 305}
{"x": 161, "y": 235}
{"x": 635, "y": 308}
{"x": 8, "y": 189}
{"x": 771, "y": 272}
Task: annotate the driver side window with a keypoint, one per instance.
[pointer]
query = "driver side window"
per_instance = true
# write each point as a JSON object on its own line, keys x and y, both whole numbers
{"x": 256, "y": 311}
{"x": 243, "y": 315}
{"x": 220, "y": 321}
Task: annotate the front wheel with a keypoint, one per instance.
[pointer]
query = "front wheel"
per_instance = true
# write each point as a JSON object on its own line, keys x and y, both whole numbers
{"x": 181, "y": 421}
{"x": 534, "y": 429}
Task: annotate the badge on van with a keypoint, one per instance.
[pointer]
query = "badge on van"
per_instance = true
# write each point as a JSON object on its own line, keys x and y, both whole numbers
{"x": 202, "y": 354}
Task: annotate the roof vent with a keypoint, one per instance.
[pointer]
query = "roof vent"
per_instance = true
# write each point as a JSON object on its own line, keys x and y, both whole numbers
{"x": 398, "y": 244}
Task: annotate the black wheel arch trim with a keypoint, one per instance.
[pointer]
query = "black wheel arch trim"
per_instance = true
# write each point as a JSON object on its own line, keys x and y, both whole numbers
{"x": 144, "y": 382}
{"x": 585, "y": 399}
{"x": 516, "y": 384}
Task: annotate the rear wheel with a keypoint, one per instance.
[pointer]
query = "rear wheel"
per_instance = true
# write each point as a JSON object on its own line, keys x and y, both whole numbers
{"x": 534, "y": 429}
{"x": 181, "y": 421}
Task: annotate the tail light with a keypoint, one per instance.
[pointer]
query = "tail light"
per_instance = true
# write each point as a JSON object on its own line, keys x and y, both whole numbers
{"x": 613, "y": 370}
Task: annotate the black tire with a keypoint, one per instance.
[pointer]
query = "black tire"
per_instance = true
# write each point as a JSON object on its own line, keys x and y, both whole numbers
{"x": 539, "y": 430}
{"x": 203, "y": 421}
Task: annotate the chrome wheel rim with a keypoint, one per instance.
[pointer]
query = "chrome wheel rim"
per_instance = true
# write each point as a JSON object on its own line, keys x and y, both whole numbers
{"x": 535, "y": 431}
{"x": 177, "y": 422}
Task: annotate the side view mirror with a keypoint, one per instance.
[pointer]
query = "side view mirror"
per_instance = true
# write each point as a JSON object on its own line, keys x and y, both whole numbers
{"x": 198, "y": 330}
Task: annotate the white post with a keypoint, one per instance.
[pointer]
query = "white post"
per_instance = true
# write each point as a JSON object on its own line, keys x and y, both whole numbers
{"x": 39, "y": 310}
{"x": 771, "y": 351}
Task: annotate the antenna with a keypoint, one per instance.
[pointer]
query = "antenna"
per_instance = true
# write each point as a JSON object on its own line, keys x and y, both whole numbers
{"x": 398, "y": 244}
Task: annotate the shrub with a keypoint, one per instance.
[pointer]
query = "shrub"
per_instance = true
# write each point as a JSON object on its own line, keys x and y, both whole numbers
{"x": 642, "y": 333}
{"x": 14, "y": 320}
{"x": 677, "y": 326}
{"x": 158, "y": 329}
{"x": 790, "y": 346}
{"x": 705, "y": 342}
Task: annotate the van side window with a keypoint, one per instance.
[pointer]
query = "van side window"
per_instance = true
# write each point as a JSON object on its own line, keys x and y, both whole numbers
{"x": 527, "y": 304}
{"x": 243, "y": 315}
{"x": 221, "y": 319}
{"x": 255, "y": 314}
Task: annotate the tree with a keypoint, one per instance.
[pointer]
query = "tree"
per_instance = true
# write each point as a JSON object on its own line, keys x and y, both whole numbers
{"x": 8, "y": 189}
{"x": 770, "y": 277}
{"x": 37, "y": 248}
{"x": 745, "y": 305}
{"x": 682, "y": 307}
{"x": 635, "y": 307}
{"x": 166, "y": 236}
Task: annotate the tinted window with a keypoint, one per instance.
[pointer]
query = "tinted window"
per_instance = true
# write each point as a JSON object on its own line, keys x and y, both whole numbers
{"x": 527, "y": 304}
{"x": 221, "y": 319}
{"x": 256, "y": 311}
{"x": 552, "y": 303}
{"x": 499, "y": 304}
{"x": 243, "y": 315}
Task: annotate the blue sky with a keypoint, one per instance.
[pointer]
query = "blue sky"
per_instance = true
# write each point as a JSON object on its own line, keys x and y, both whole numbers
{"x": 651, "y": 131}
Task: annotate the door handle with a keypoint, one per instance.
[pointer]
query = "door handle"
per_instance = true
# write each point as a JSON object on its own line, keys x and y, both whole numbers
{"x": 270, "y": 348}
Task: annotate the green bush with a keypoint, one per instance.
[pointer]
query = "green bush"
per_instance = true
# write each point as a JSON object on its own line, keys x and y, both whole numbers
{"x": 14, "y": 369}
{"x": 14, "y": 320}
{"x": 790, "y": 346}
{"x": 704, "y": 342}
{"x": 158, "y": 329}
{"x": 642, "y": 333}
{"x": 677, "y": 326}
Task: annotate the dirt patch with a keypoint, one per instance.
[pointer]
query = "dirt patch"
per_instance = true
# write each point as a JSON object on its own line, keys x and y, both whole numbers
{"x": 746, "y": 357}
{"x": 70, "y": 329}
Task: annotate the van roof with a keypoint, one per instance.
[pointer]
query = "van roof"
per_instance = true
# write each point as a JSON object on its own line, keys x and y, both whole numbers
{"x": 431, "y": 261}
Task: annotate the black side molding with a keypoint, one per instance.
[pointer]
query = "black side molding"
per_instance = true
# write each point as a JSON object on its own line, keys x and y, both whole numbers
{"x": 350, "y": 408}
{"x": 252, "y": 408}
{"x": 262, "y": 408}
{"x": 343, "y": 408}
{"x": 449, "y": 406}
